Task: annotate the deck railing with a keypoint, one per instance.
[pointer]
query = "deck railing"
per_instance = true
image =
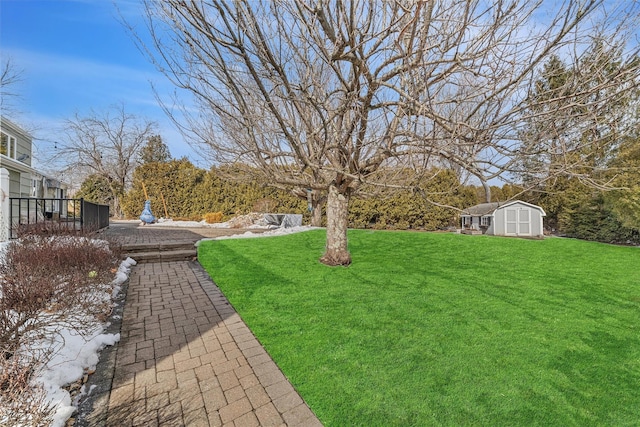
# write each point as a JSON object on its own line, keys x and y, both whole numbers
{"x": 76, "y": 214}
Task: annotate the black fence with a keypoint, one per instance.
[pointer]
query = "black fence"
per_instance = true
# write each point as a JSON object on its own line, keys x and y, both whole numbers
{"x": 73, "y": 214}
{"x": 94, "y": 216}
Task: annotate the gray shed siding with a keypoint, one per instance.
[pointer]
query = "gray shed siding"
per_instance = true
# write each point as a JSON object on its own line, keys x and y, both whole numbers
{"x": 518, "y": 219}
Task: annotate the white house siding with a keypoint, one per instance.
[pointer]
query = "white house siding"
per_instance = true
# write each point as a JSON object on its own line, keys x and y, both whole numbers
{"x": 14, "y": 183}
{"x": 23, "y": 140}
{"x": 20, "y": 179}
{"x": 18, "y": 175}
{"x": 25, "y": 184}
{"x": 5, "y": 221}
{"x": 20, "y": 170}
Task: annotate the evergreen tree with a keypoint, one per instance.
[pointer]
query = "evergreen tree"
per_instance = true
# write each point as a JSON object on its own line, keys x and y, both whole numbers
{"x": 625, "y": 170}
{"x": 95, "y": 188}
{"x": 155, "y": 150}
{"x": 569, "y": 193}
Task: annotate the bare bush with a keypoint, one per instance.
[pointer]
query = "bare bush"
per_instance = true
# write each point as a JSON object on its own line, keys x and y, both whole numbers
{"x": 22, "y": 403}
{"x": 48, "y": 228}
{"x": 48, "y": 283}
{"x": 55, "y": 228}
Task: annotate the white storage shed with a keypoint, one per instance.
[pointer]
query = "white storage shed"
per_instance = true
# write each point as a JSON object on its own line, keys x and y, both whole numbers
{"x": 515, "y": 218}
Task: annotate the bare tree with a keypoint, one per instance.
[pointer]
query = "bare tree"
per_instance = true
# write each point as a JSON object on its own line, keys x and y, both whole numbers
{"x": 107, "y": 145}
{"x": 326, "y": 95}
{"x": 10, "y": 77}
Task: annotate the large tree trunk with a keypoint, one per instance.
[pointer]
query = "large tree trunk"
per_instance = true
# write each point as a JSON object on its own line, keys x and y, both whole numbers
{"x": 317, "y": 201}
{"x": 316, "y": 216}
{"x": 337, "y": 252}
{"x": 117, "y": 211}
{"x": 115, "y": 202}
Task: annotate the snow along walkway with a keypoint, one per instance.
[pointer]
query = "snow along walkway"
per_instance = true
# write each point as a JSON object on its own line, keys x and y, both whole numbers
{"x": 186, "y": 358}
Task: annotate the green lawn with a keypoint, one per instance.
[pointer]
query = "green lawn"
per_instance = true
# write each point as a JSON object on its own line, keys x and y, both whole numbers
{"x": 444, "y": 329}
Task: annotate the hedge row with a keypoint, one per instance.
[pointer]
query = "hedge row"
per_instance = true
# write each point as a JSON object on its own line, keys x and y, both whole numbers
{"x": 189, "y": 192}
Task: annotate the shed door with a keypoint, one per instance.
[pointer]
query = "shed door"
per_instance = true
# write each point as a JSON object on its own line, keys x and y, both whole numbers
{"x": 524, "y": 222}
{"x": 518, "y": 221}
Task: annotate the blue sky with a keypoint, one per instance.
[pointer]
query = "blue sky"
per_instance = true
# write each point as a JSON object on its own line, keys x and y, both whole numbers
{"x": 75, "y": 56}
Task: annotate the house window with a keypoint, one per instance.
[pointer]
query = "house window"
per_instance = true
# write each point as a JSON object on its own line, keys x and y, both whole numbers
{"x": 485, "y": 221}
{"x": 8, "y": 145}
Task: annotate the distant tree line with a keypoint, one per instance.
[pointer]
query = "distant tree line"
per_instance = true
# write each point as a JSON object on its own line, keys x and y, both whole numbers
{"x": 587, "y": 180}
{"x": 600, "y": 199}
{"x": 180, "y": 190}
{"x": 189, "y": 193}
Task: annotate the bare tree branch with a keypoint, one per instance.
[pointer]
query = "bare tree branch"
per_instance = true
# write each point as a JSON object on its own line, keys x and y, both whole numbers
{"x": 323, "y": 94}
{"x": 105, "y": 144}
{"x": 10, "y": 78}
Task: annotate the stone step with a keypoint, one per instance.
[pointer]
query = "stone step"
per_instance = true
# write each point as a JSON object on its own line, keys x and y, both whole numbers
{"x": 158, "y": 252}
{"x": 160, "y": 256}
{"x": 158, "y": 246}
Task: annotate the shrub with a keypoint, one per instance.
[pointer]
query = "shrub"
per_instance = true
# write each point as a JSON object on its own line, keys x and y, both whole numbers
{"x": 213, "y": 217}
{"x": 188, "y": 190}
{"x": 21, "y": 402}
{"x": 47, "y": 282}
{"x": 595, "y": 220}
{"x": 51, "y": 280}
{"x": 47, "y": 228}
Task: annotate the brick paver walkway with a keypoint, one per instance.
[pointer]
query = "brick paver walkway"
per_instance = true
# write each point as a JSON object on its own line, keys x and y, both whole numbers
{"x": 186, "y": 358}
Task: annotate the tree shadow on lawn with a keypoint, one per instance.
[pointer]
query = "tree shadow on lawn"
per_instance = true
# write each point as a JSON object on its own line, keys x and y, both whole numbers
{"x": 478, "y": 333}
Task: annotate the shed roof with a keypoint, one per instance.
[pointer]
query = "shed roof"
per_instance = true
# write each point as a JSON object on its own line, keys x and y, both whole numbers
{"x": 481, "y": 209}
{"x": 490, "y": 208}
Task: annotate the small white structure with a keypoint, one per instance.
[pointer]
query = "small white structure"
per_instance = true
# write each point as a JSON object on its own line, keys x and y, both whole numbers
{"x": 515, "y": 218}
